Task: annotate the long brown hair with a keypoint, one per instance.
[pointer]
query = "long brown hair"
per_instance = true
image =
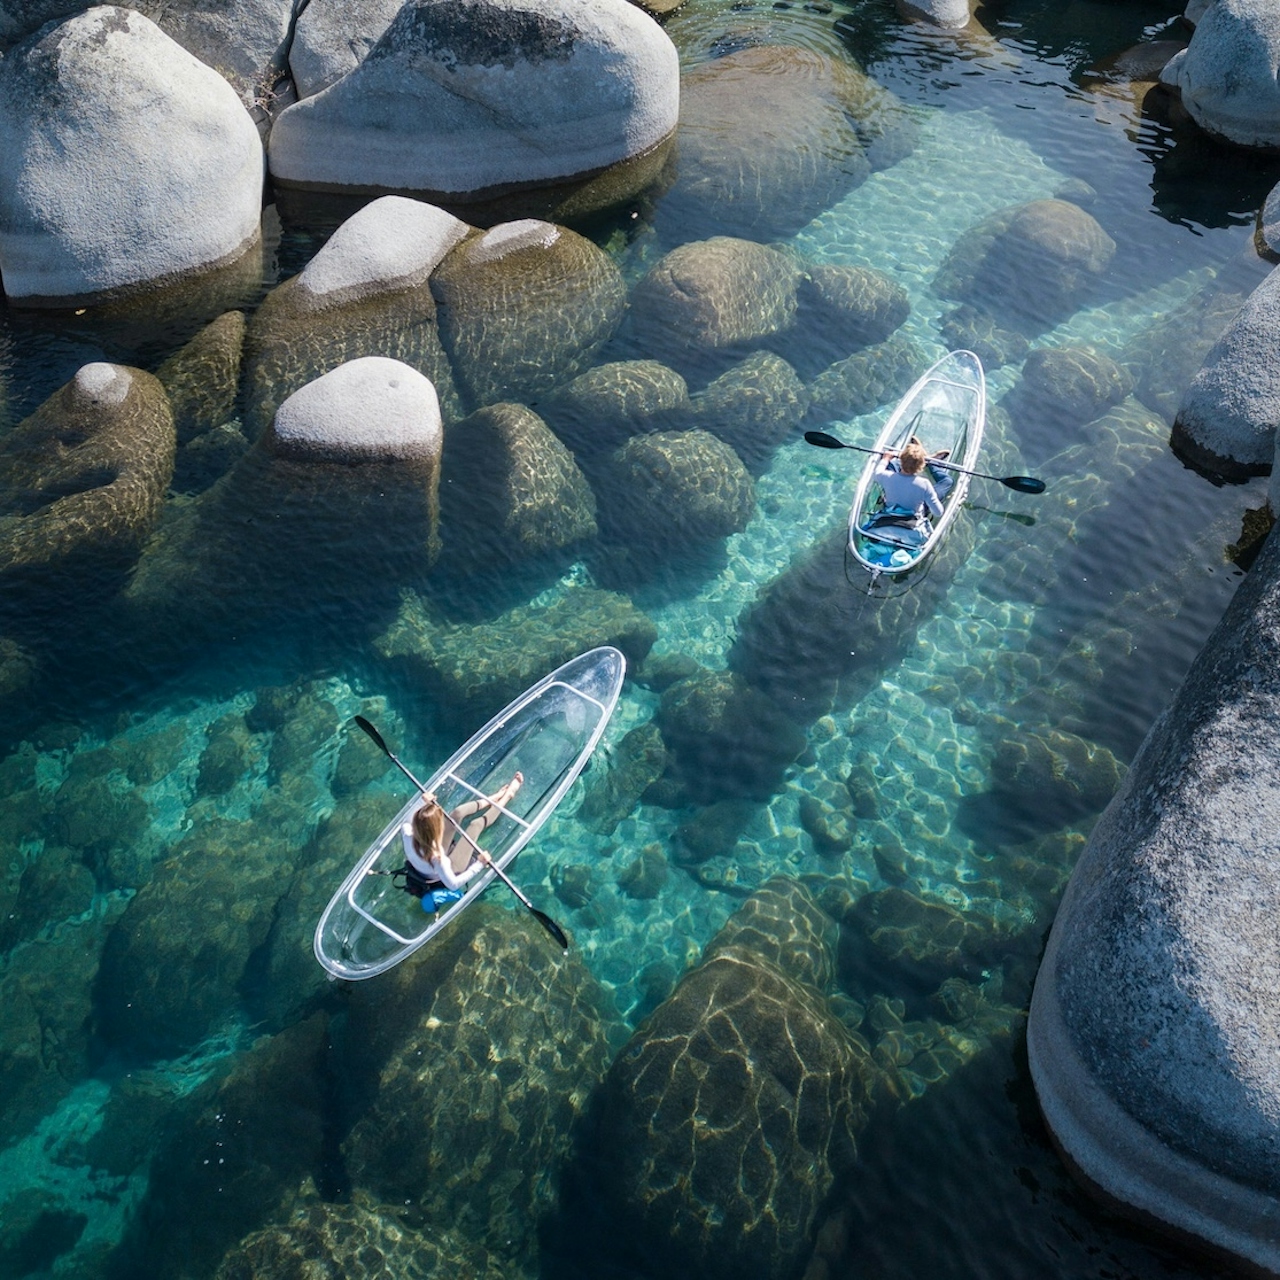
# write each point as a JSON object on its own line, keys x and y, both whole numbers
{"x": 428, "y": 829}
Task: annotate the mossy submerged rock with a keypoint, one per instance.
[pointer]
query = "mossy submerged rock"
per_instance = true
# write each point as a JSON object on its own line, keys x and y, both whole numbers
{"x": 524, "y": 307}
{"x": 1056, "y": 770}
{"x": 1032, "y": 264}
{"x": 969, "y": 329}
{"x": 601, "y": 409}
{"x": 644, "y": 876}
{"x": 83, "y": 478}
{"x": 475, "y": 670}
{"x": 374, "y": 1242}
{"x": 713, "y": 296}
{"x": 773, "y": 135}
{"x": 203, "y": 379}
{"x": 239, "y": 1146}
{"x": 366, "y": 292}
{"x": 1070, "y": 385}
{"x": 722, "y": 1126}
{"x": 841, "y": 309}
{"x": 510, "y": 491}
{"x": 666, "y": 491}
{"x": 864, "y": 381}
{"x": 491, "y": 1050}
{"x": 753, "y": 407}
{"x": 730, "y": 740}
{"x": 613, "y": 792}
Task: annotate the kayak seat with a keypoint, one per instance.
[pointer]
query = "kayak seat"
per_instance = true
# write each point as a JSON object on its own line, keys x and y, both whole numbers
{"x": 897, "y": 527}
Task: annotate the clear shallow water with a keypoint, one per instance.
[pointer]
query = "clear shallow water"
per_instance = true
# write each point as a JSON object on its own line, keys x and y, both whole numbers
{"x": 1085, "y": 619}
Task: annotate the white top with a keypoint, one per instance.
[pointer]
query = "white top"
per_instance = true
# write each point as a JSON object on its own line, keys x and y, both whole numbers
{"x": 439, "y": 868}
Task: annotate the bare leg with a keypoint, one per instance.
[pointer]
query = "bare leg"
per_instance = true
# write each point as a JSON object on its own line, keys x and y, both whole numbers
{"x": 460, "y": 850}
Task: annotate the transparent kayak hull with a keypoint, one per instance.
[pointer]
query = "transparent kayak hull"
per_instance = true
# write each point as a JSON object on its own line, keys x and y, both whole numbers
{"x": 945, "y": 409}
{"x": 548, "y": 734}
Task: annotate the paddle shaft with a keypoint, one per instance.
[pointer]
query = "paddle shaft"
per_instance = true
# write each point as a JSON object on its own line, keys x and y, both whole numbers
{"x": 543, "y": 919}
{"x": 1024, "y": 484}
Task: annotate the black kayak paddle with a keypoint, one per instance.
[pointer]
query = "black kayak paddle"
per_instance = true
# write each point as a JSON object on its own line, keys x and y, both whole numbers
{"x": 1023, "y": 484}
{"x": 542, "y": 918}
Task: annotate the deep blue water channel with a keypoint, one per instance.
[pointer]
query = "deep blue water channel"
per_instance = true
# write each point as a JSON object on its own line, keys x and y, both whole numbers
{"x": 1077, "y": 612}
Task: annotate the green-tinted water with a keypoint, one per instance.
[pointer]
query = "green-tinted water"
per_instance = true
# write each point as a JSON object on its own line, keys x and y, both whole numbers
{"x": 958, "y": 743}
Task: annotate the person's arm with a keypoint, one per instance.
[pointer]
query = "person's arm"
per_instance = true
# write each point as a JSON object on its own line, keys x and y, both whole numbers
{"x": 406, "y": 837}
{"x": 443, "y": 871}
{"x": 932, "y": 501}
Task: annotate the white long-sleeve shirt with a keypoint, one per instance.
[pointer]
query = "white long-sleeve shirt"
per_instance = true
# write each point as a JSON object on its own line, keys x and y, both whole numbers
{"x": 438, "y": 868}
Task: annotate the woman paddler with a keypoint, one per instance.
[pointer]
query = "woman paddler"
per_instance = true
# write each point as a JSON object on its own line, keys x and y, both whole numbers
{"x": 440, "y": 853}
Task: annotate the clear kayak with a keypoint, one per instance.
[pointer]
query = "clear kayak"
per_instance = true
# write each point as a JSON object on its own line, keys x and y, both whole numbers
{"x": 548, "y": 734}
{"x": 945, "y": 410}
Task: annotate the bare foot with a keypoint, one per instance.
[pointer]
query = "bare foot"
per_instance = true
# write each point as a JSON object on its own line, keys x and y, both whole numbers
{"x": 505, "y": 793}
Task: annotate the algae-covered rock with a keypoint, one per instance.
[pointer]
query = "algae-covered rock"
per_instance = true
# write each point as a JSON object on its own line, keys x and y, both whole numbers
{"x": 1033, "y": 264}
{"x": 671, "y": 489}
{"x": 1070, "y": 385}
{"x": 600, "y": 409}
{"x": 613, "y": 793}
{"x": 644, "y": 876}
{"x": 723, "y": 1125}
{"x": 83, "y": 478}
{"x": 479, "y": 1077}
{"x": 174, "y": 963}
{"x": 721, "y": 295}
{"x": 46, "y": 1017}
{"x": 865, "y": 380}
{"x": 365, "y": 293}
{"x": 239, "y": 1147}
{"x": 523, "y": 308}
{"x": 729, "y": 739}
{"x": 772, "y": 136}
{"x": 203, "y": 378}
{"x": 471, "y": 671}
{"x": 783, "y": 923}
{"x": 753, "y": 407}
{"x": 1056, "y": 770}
{"x": 374, "y": 1242}
{"x": 712, "y": 831}
{"x": 841, "y": 309}
{"x": 967, "y": 328}
{"x": 56, "y": 886}
{"x": 510, "y": 491}
{"x": 227, "y": 756}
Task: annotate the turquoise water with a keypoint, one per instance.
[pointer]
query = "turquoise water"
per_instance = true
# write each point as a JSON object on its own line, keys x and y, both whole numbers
{"x": 136, "y": 1069}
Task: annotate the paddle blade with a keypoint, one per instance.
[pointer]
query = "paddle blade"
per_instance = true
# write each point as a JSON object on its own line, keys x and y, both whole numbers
{"x": 822, "y": 440}
{"x": 552, "y": 928}
{"x": 1023, "y": 484}
{"x": 373, "y": 733}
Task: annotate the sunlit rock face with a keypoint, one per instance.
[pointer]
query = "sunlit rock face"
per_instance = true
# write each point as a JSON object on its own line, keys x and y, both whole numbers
{"x": 724, "y": 1122}
{"x": 124, "y": 161}
{"x": 83, "y": 478}
{"x": 1031, "y": 264}
{"x": 1227, "y": 418}
{"x": 333, "y": 37}
{"x": 1227, "y": 75}
{"x": 525, "y": 307}
{"x": 1154, "y": 1037}
{"x": 463, "y": 96}
{"x": 773, "y": 135}
{"x": 365, "y": 293}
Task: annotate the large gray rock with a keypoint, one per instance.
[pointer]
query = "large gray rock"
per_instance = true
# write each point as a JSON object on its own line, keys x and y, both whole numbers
{"x": 367, "y": 292}
{"x": 1154, "y": 1036}
{"x": 123, "y": 162}
{"x": 1227, "y": 419}
{"x": 1227, "y": 75}
{"x": 333, "y": 37}
{"x": 461, "y": 97}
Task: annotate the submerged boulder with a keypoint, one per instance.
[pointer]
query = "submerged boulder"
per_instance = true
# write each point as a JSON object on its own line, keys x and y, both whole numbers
{"x": 83, "y": 478}
{"x": 123, "y": 162}
{"x": 714, "y": 296}
{"x": 203, "y": 379}
{"x": 1227, "y": 75}
{"x": 772, "y": 135}
{"x": 510, "y": 490}
{"x": 458, "y": 97}
{"x": 723, "y": 1125}
{"x": 1032, "y": 264}
{"x": 367, "y": 292}
{"x": 753, "y": 407}
{"x": 524, "y": 307}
